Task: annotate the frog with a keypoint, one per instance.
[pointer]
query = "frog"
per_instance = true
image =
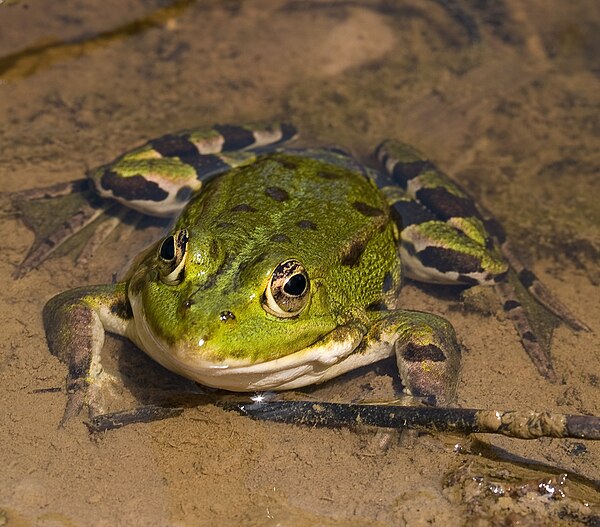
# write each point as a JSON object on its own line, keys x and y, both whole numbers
{"x": 283, "y": 267}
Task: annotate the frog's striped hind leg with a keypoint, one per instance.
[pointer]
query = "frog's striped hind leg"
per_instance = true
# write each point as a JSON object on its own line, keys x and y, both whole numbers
{"x": 437, "y": 200}
{"x": 156, "y": 179}
{"x": 425, "y": 183}
{"x": 159, "y": 177}
{"x": 444, "y": 238}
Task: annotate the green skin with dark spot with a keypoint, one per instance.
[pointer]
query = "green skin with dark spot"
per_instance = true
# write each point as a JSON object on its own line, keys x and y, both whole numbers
{"x": 231, "y": 255}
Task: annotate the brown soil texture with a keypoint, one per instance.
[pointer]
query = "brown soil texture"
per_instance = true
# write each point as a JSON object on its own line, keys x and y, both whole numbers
{"x": 504, "y": 96}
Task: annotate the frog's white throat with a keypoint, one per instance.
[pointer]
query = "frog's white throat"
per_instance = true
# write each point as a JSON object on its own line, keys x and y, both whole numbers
{"x": 331, "y": 356}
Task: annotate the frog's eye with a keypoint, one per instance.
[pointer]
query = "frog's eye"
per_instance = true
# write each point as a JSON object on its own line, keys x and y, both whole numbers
{"x": 171, "y": 256}
{"x": 287, "y": 293}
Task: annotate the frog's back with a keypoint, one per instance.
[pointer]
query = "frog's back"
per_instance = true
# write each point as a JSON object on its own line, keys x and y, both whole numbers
{"x": 334, "y": 220}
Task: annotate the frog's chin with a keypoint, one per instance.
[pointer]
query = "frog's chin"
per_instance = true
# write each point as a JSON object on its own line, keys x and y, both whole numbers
{"x": 329, "y": 357}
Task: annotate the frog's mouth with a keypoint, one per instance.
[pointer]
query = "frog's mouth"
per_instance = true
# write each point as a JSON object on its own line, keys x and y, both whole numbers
{"x": 329, "y": 357}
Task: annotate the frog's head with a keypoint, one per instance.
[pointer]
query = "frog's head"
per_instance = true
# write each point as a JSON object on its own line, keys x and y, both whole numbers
{"x": 201, "y": 310}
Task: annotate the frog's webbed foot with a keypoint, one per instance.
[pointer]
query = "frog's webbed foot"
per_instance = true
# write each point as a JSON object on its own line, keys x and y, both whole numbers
{"x": 540, "y": 292}
{"x": 534, "y": 324}
{"x": 55, "y": 214}
{"x": 534, "y": 311}
{"x": 75, "y": 322}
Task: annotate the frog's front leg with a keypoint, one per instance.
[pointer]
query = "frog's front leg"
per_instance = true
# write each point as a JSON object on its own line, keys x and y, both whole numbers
{"x": 427, "y": 353}
{"x": 75, "y": 322}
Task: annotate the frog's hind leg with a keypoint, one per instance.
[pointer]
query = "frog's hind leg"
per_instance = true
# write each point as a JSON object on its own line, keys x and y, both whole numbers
{"x": 159, "y": 177}
{"x": 446, "y": 239}
{"x": 443, "y": 237}
{"x": 156, "y": 179}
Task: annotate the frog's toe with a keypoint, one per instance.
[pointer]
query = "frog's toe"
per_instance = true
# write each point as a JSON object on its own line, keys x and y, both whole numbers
{"x": 75, "y": 404}
{"x": 91, "y": 395}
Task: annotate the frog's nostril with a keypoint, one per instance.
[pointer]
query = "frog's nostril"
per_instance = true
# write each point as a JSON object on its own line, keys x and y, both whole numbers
{"x": 226, "y": 316}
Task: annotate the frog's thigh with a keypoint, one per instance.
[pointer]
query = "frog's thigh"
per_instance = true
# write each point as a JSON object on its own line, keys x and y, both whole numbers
{"x": 427, "y": 353}
{"x": 439, "y": 253}
{"x": 159, "y": 177}
{"x": 444, "y": 237}
{"x": 457, "y": 250}
{"x": 75, "y": 322}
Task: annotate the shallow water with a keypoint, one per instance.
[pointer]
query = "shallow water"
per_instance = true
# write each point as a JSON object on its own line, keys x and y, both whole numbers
{"x": 504, "y": 96}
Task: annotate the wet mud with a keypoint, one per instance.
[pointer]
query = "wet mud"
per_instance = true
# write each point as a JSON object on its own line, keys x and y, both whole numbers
{"x": 503, "y": 96}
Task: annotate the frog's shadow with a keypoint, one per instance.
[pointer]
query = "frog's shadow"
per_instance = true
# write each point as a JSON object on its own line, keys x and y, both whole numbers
{"x": 444, "y": 292}
{"x": 142, "y": 378}
{"x": 149, "y": 383}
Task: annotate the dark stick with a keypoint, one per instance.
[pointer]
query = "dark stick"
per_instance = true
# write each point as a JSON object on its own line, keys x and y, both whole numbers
{"x": 519, "y": 424}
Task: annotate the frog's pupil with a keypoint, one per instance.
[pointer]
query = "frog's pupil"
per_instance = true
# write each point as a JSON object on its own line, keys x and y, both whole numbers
{"x": 167, "y": 249}
{"x": 296, "y": 285}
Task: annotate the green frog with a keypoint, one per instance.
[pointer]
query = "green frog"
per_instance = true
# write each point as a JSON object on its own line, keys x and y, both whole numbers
{"x": 284, "y": 266}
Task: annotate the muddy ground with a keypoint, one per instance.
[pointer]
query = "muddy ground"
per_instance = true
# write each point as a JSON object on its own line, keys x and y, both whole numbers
{"x": 503, "y": 95}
